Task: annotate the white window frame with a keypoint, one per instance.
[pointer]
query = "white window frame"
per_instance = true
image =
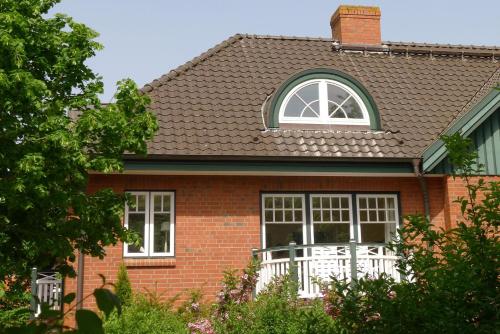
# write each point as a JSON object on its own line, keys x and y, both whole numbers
{"x": 376, "y": 196}
{"x": 336, "y": 195}
{"x": 323, "y": 106}
{"x": 149, "y": 225}
{"x": 264, "y": 223}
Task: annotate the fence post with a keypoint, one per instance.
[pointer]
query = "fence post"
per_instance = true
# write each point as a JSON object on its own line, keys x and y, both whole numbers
{"x": 294, "y": 275}
{"x": 354, "y": 261}
{"x": 34, "y": 292}
{"x": 255, "y": 257}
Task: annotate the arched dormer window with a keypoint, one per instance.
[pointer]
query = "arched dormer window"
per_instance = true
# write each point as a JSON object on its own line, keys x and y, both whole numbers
{"x": 323, "y": 97}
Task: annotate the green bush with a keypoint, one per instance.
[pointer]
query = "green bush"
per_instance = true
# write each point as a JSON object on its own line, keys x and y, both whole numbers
{"x": 453, "y": 274}
{"x": 141, "y": 316}
{"x": 123, "y": 288}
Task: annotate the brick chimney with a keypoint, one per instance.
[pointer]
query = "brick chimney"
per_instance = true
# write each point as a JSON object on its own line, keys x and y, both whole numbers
{"x": 356, "y": 25}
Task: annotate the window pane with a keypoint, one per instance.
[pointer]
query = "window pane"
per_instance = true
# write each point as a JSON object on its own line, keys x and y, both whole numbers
{"x": 337, "y": 94}
{"x": 298, "y": 215}
{"x": 136, "y": 223}
{"x": 294, "y": 107}
{"x": 282, "y": 234}
{"x": 373, "y": 233}
{"x": 157, "y": 202}
{"x": 161, "y": 235}
{"x": 326, "y": 216}
{"x": 297, "y": 202}
{"x": 345, "y": 215}
{"x": 344, "y": 202}
{"x": 330, "y": 233}
{"x": 317, "y": 215}
{"x": 312, "y": 110}
{"x": 372, "y": 215}
{"x": 352, "y": 109}
{"x": 268, "y": 215}
{"x": 288, "y": 202}
{"x": 335, "y": 216}
{"x": 372, "y": 203}
{"x": 335, "y": 202}
{"x": 363, "y": 216}
{"x": 337, "y": 114}
{"x": 141, "y": 202}
{"x": 268, "y": 203}
{"x": 381, "y": 203}
{"x": 381, "y": 216}
{"x": 288, "y": 216}
{"x": 278, "y": 216}
{"x": 316, "y": 202}
{"x": 391, "y": 215}
{"x": 390, "y": 203}
{"x": 166, "y": 203}
{"x": 278, "y": 202}
{"x": 325, "y": 202}
{"x": 309, "y": 93}
{"x": 362, "y": 203}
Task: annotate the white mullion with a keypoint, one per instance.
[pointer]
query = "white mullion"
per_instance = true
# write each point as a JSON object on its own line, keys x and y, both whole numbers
{"x": 147, "y": 235}
{"x": 323, "y": 101}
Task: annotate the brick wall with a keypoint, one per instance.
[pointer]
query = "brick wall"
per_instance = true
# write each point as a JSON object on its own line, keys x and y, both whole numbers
{"x": 218, "y": 223}
{"x": 356, "y": 25}
{"x": 455, "y": 188}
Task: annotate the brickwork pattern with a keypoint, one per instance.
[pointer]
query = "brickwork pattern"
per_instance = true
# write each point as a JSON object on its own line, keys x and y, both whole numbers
{"x": 218, "y": 223}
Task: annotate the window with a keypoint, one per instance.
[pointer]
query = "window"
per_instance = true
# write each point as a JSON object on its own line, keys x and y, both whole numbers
{"x": 323, "y": 101}
{"x": 283, "y": 219}
{"x": 151, "y": 215}
{"x": 377, "y": 218}
{"x": 331, "y": 218}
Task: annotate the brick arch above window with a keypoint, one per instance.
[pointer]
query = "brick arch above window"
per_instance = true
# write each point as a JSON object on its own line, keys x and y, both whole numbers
{"x": 321, "y": 80}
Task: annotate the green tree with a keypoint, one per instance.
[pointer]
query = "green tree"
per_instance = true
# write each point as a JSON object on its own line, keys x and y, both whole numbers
{"x": 53, "y": 131}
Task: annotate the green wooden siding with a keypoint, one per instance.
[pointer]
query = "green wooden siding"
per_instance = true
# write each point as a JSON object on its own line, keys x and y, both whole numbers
{"x": 486, "y": 139}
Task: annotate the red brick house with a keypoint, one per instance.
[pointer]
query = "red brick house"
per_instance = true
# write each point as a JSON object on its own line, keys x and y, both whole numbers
{"x": 265, "y": 140}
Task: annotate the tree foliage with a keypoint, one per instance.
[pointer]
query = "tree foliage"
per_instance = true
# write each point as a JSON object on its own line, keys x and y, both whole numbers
{"x": 53, "y": 131}
{"x": 453, "y": 274}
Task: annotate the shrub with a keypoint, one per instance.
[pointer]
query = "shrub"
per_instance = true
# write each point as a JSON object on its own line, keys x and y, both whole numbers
{"x": 123, "y": 288}
{"x": 141, "y": 316}
{"x": 453, "y": 274}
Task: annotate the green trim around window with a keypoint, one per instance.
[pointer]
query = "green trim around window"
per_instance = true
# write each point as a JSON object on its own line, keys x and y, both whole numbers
{"x": 323, "y": 73}
{"x": 465, "y": 125}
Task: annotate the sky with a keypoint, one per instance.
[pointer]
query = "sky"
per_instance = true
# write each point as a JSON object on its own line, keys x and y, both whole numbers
{"x": 144, "y": 39}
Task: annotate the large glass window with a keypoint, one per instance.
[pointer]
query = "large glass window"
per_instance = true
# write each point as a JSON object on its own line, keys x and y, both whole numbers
{"x": 284, "y": 219}
{"x": 151, "y": 215}
{"x": 377, "y": 218}
{"x": 323, "y": 101}
{"x": 331, "y": 218}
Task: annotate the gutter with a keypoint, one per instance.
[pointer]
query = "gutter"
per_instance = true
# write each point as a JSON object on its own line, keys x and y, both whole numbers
{"x": 423, "y": 187}
{"x": 79, "y": 281}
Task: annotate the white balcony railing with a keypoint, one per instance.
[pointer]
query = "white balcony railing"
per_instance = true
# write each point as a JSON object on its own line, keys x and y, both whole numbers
{"x": 312, "y": 262}
{"x": 47, "y": 288}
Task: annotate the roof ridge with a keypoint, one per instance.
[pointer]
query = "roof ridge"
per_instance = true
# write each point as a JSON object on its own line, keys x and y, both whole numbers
{"x": 192, "y": 63}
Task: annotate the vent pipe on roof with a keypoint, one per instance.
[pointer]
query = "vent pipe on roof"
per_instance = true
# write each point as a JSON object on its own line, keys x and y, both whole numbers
{"x": 356, "y": 25}
{"x": 423, "y": 187}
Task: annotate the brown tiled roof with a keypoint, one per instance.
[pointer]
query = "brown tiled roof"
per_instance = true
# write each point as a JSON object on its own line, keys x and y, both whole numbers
{"x": 212, "y": 105}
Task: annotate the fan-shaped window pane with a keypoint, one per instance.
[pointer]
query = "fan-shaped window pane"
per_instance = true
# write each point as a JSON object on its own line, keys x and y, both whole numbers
{"x": 304, "y": 103}
{"x": 337, "y": 94}
{"x": 352, "y": 109}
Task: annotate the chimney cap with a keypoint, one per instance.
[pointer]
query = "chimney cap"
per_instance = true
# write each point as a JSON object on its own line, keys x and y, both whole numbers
{"x": 347, "y": 10}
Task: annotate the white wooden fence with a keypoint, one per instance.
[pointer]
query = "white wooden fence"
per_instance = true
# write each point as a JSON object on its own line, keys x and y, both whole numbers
{"x": 47, "y": 288}
{"x": 321, "y": 262}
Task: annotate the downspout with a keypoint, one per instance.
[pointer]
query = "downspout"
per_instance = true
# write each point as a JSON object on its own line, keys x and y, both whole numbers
{"x": 423, "y": 187}
{"x": 79, "y": 282}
